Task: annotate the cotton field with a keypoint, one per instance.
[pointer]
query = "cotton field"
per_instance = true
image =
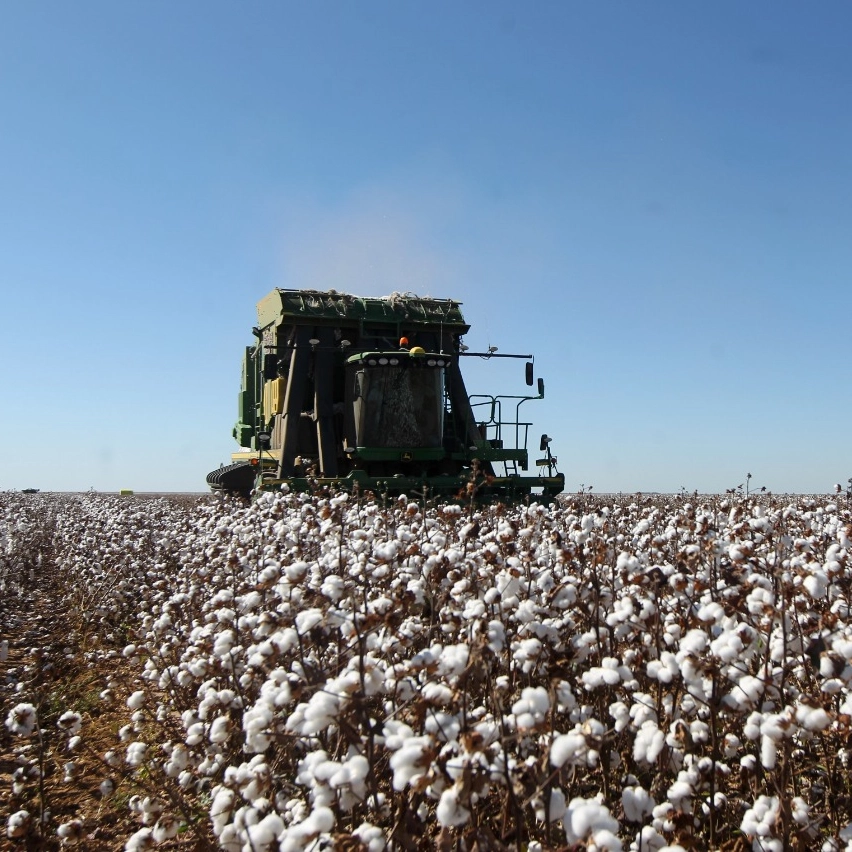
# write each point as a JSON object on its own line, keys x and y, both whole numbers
{"x": 333, "y": 672}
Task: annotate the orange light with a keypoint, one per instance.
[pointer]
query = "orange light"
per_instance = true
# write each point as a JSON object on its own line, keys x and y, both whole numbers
{"x": 254, "y": 462}
{"x": 403, "y": 341}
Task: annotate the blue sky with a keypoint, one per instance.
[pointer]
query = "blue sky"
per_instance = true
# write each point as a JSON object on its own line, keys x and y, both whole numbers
{"x": 654, "y": 198}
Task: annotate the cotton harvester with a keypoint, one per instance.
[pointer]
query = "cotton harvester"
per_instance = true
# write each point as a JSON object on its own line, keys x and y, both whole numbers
{"x": 366, "y": 393}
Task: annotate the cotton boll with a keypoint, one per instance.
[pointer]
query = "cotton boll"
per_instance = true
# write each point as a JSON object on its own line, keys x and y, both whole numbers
{"x": 18, "y": 825}
{"x": 371, "y": 836}
{"x": 136, "y": 700}
{"x": 759, "y": 820}
{"x": 22, "y": 719}
{"x": 166, "y": 827}
{"x": 586, "y": 817}
{"x": 450, "y": 811}
{"x": 141, "y": 841}
{"x": 648, "y": 840}
{"x": 410, "y": 762}
{"x": 568, "y": 748}
{"x": 298, "y": 837}
{"x": 136, "y": 753}
{"x": 557, "y": 806}
{"x": 70, "y": 833}
{"x": 496, "y": 633}
{"x": 812, "y": 718}
{"x": 220, "y": 730}
{"x": 70, "y": 722}
{"x": 532, "y": 707}
{"x": 637, "y": 803}
{"x": 649, "y": 742}
{"x": 263, "y": 836}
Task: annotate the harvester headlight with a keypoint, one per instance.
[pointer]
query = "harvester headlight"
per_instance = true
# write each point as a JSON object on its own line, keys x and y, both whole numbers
{"x": 441, "y": 362}
{"x": 394, "y": 362}
{"x": 383, "y": 361}
{"x": 372, "y": 362}
{"x": 431, "y": 362}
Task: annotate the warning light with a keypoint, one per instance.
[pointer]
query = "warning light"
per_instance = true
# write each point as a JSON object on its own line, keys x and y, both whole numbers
{"x": 403, "y": 341}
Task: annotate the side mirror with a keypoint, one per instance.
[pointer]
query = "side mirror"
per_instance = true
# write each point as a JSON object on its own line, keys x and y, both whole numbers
{"x": 529, "y": 373}
{"x": 264, "y": 440}
{"x": 544, "y": 442}
{"x": 541, "y": 388}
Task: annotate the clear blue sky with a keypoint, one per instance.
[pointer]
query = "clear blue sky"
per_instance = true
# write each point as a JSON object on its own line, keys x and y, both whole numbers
{"x": 652, "y": 197}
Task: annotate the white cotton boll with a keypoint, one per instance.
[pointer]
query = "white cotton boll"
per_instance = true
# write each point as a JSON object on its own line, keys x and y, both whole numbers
{"x": 136, "y": 752}
{"x": 308, "y": 619}
{"x": 665, "y": 669}
{"x": 450, "y": 811}
{"x": 263, "y": 835}
{"x": 220, "y": 730}
{"x": 648, "y": 840}
{"x": 195, "y": 734}
{"x": 224, "y": 642}
{"x": 768, "y": 752}
{"x": 800, "y": 810}
{"x": 567, "y": 747}
{"x": 70, "y": 722}
{"x": 166, "y": 827}
{"x": 297, "y": 837}
{"x": 141, "y": 841}
{"x": 812, "y": 718}
{"x": 637, "y": 803}
{"x": 731, "y": 745}
{"x": 745, "y": 693}
{"x": 679, "y": 793}
{"x": 136, "y": 700}
{"x": 106, "y": 787}
{"x": 371, "y": 836}
{"x": 531, "y": 708}
{"x": 453, "y": 660}
{"x": 69, "y": 768}
{"x": 588, "y": 816}
{"x": 620, "y": 712}
{"x": 526, "y": 653}
{"x": 22, "y": 720}
{"x": 409, "y": 762}
{"x": 70, "y": 832}
{"x": 557, "y": 806}
{"x": 759, "y": 819}
{"x": 221, "y": 808}
{"x": 18, "y": 824}
{"x": 649, "y": 743}
{"x": 604, "y": 840}
{"x": 816, "y": 584}
{"x": 565, "y": 697}
{"x": 496, "y": 636}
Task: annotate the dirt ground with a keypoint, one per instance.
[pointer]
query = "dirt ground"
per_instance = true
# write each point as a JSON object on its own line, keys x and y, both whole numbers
{"x": 51, "y": 665}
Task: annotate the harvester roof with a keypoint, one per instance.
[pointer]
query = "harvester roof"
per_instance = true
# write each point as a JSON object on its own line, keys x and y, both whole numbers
{"x": 325, "y": 307}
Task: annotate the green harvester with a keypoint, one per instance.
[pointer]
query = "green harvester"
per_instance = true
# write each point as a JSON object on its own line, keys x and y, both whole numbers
{"x": 367, "y": 394}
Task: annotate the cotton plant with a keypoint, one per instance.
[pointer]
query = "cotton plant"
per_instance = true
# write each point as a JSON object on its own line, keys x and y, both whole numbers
{"x": 450, "y": 660}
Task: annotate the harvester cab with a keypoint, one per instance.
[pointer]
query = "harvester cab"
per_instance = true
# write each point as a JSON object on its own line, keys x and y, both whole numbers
{"x": 367, "y": 393}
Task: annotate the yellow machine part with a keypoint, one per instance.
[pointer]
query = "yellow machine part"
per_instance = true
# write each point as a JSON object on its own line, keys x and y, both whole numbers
{"x": 273, "y": 397}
